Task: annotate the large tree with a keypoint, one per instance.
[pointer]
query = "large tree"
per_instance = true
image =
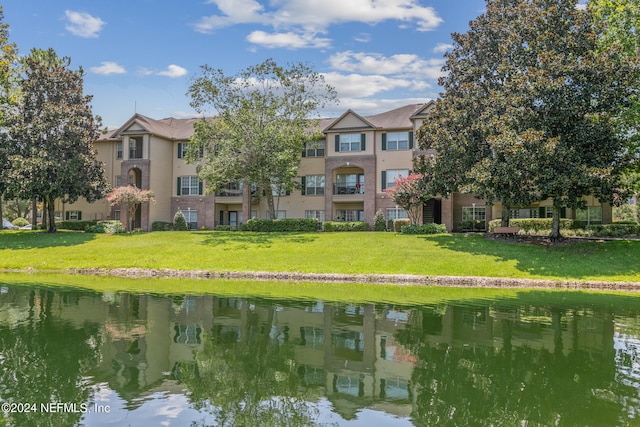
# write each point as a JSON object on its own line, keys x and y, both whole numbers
{"x": 260, "y": 127}
{"x": 52, "y": 133}
{"x": 8, "y": 97}
{"x": 529, "y": 109}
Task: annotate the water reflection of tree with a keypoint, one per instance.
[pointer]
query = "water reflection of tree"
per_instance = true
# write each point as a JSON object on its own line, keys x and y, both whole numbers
{"x": 45, "y": 360}
{"x": 249, "y": 377}
{"x": 511, "y": 385}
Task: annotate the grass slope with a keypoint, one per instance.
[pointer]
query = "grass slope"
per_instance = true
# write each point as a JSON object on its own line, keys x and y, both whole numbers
{"x": 349, "y": 253}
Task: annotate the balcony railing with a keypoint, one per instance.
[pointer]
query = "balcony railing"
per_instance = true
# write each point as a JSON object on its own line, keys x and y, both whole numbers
{"x": 348, "y": 189}
{"x": 135, "y": 153}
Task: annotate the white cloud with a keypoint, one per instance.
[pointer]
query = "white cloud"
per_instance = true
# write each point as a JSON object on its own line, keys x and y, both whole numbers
{"x": 173, "y": 71}
{"x": 442, "y": 47}
{"x": 108, "y": 68}
{"x": 359, "y": 85}
{"x": 288, "y": 40}
{"x": 405, "y": 65}
{"x": 83, "y": 25}
{"x": 309, "y": 17}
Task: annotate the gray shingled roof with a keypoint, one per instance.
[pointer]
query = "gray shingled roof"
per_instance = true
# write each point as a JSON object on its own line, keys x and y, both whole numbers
{"x": 181, "y": 129}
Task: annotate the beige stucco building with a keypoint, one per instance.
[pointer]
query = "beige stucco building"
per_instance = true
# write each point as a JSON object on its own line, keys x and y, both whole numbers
{"x": 343, "y": 177}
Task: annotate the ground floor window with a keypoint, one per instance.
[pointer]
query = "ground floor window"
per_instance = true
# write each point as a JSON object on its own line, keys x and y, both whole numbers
{"x": 396, "y": 213}
{"x": 349, "y": 215}
{"x": 319, "y": 215}
{"x": 116, "y": 215}
{"x": 590, "y": 215}
{"x": 473, "y": 218}
{"x": 73, "y": 215}
{"x": 279, "y": 215}
{"x": 192, "y": 219}
{"x": 524, "y": 213}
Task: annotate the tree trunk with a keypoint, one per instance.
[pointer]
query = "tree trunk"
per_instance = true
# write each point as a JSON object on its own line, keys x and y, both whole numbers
{"x": 51, "y": 210}
{"x": 270, "y": 205}
{"x": 44, "y": 214}
{"x": 506, "y": 213}
{"x": 34, "y": 214}
{"x": 555, "y": 235}
{"x": 1, "y": 217}
{"x": 246, "y": 201}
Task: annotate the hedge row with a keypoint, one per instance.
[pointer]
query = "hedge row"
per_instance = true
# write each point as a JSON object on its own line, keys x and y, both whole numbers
{"x": 109, "y": 227}
{"x": 74, "y": 225}
{"x": 533, "y": 225}
{"x": 424, "y": 229}
{"x": 345, "y": 226}
{"x": 161, "y": 226}
{"x": 614, "y": 230}
{"x": 285, "y": 224}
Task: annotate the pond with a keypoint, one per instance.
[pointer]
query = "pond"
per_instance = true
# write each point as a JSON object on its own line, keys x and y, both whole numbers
{"x": 70, "y": 356}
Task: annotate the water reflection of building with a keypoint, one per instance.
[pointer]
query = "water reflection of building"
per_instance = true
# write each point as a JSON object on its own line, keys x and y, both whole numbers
{"x": 356, "y": 355}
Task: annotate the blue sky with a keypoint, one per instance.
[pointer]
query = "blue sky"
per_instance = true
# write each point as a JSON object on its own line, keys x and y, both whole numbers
{"x": 140, "y": 55}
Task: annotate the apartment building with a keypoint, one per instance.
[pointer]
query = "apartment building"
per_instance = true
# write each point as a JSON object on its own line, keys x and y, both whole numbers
{"x": 344, "y": 177}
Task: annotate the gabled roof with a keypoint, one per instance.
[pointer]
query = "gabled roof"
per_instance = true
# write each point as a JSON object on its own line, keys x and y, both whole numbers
{"x": 170, "y": 128}
{"x": 365, "y": 124}
{"x": 398, "y": 118}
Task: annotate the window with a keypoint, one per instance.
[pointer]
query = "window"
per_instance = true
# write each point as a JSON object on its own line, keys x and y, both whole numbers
{"x": 279, "y": 215}
{"x": 192, "y": 218}
{"x": 189, "y": 186}
{"x": 396, "y": 213}
{"x": 474, "y": 213}
{"x": 590, "y": 215}
{"x": 232, "y": 189}
{"x": 135, "y": 147}
{"x": 314, "y": 149}
{"x": 319, "y": 215}
{"x": 116, "y": 215}
{"x": 119, "y": 150}
{"x": 389, "y": 177}
{"x": 313, "y": 185}
{"x": 118, "y": 180}
{"x": 278, "y": 190}
{"x": 397, "y": 140}
{"x": 350, "y": 215}
{"x": 73, "y": 215}
{"x": 350, "y": 142}
{"x": 349, "y": 184}
{"x": 182, "y": 150}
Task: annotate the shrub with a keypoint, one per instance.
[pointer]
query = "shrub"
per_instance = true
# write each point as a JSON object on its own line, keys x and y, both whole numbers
{"x": 161, "y": 226}
{"x": 97, "y": 228}
{"x": 398, "y": 223}
{"x": 282, "y": 225}
{"x": 533, "y": 225}
{"x": 424, "y": 229}
{"x": 113, "y": 227}
{"x": 74, "y": 225}
{"x": 345, "y": 226}
{"x": 20, "y": 222}
{"x": 379, "y": 223}
{"x": 225, "y": 228}
{"x": 180, "y": 222}
{"x": 614, "y": 230}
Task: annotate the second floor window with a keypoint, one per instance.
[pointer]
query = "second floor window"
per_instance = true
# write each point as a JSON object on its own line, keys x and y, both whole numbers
{"x": 313, "y": 185}
{"x": 397, "y": 141}
{"x": 189, "y": 186}
{"x": 119, "y": 150}
{"x": 350, "y": 142}
{"x": 389, "y": 177}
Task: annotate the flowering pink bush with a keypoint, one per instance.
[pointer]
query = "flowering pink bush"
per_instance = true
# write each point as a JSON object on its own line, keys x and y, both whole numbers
{"x": 406, "y": 194}
{"x": 129, "y": 197}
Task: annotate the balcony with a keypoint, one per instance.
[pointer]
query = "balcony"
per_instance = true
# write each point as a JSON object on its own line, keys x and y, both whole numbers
{"x": 348, "y": 189}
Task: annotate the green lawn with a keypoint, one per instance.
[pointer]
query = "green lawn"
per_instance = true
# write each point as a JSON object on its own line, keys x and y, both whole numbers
{"x": 366, "y": 252}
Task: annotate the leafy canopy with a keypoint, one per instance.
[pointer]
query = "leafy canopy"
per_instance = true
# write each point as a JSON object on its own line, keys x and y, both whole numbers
{"x": 260, "y": 127}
